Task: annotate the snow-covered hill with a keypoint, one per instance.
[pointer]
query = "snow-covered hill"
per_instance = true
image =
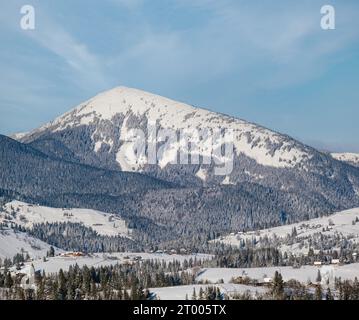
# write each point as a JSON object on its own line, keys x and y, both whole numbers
{"x": 12, "y": 243}
{"x": 27, "y": 215}
{"x": 343, "y": 224}
{"x": 351, "y": 158}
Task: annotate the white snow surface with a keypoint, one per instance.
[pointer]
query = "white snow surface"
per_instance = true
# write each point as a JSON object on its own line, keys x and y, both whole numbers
{"x": 19, "y": 135}
{"x": 180, "y": 292}
{"x": 12, "y": 243}
{"x": 352, "y": 158}
{"x": 27, "y": 215}
{"x": 54, "y": 264}
{"x": 303, "y": 274}
{"x": 227, "y": 181}
{"x": 170, "y": 114}
{"x": 337, "y": 223}
{"x": 202, "y": 174}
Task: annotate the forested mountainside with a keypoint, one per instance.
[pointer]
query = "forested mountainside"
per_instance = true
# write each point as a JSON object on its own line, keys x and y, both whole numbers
{"x": 158, "y": 211}
{"x": 95, "y": 132}
{"x": 78, "y": 161}
{"x": 31, "y": 173}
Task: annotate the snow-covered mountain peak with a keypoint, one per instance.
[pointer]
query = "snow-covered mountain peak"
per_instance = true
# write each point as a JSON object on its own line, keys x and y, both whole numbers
{"x": 114, "y": 130}
{"x": 119, "y": 100}
{"x": 266, "y": 147}
{"x": 123, "y": 99}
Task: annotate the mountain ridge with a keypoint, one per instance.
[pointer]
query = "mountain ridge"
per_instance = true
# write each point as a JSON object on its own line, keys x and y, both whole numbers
{"x": 158, "y": 212}
{"x": 169, "y": 113}
{"x": 94, "y": 131}
{"x": 348, "y": 157}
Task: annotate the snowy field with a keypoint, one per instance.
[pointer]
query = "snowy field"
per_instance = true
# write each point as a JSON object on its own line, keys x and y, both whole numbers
{"x": 27, "y": 215}
{"x": 180, "y": 292}
{"x": 12, "y": 242}
{"x": 338, "y": 223}
{"x": 303, "y": 274}
{"x": 56, "y": 263}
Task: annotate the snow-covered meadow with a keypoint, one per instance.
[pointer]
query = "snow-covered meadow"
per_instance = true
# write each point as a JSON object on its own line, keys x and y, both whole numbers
{"x": 54, "y": 264}
{"x": 12, "y": 242}
{"x": 27, "y": 215}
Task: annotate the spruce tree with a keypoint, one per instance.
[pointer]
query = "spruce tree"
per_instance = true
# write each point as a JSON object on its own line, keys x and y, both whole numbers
{"x": 318, "y": 295}
{"x": 200, "y": 295}
{"x": 328, "y": 295}
{"x": 62, "y": 289}
{"x": 278, "y": 286}
{"x": 194, "y": 295}
{"x": 319, "y": 276}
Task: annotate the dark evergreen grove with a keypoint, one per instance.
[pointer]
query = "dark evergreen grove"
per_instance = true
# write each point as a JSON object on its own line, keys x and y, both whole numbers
{"x": 121, "y": 281}
{"x": 132, "y": 282}
{"x": 30, "y": 173}
{"x": 76, "y": 237}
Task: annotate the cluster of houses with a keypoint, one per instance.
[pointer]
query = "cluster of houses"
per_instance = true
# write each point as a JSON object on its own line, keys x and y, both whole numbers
{"x": 333, "y": 261}
{"x": 72, "y": 254}
{"x": 336, "y": 261}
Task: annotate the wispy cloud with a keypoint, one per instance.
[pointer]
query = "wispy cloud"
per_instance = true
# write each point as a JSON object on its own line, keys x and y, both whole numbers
{"x": 288, "y": 38}
{"x": 83, "y": 66}
{"x": 233, "y": 54}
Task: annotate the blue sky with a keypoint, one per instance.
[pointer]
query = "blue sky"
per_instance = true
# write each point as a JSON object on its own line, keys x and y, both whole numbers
{"x": 268, "y": 62}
